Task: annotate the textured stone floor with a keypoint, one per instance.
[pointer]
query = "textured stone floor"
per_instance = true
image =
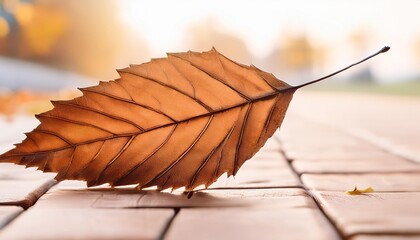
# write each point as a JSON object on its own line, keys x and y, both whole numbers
{"x": 294, "y": 188}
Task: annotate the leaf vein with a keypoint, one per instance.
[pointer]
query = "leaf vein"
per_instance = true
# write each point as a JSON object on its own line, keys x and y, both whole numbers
{"x": 266, "y": 81}
{"x": 127, "y": 101}
{"x": 100, "y": 112}
{"x": 238, "y": 146}
{"x": 268, "y": 120}
{"x": 130, "y": 140}
{"x": 131, "y": 170}
{"x": 125, "y": 90}
{"x": 93, "y": 158}
{"x": 53, "y": 134}
{"x": 63, "y": 174}
{"x": 75, "y": 122}
{"x": 242, "y": 95}
{"x": 203, "y": 164}
{"x": 205, "y": 106}
{"x": 185, "y": 152}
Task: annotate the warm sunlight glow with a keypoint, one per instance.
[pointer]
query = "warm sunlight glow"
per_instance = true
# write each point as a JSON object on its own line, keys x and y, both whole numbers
{"x": 262, "y": 26}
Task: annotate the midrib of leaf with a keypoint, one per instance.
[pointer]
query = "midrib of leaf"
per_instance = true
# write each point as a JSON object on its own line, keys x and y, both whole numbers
{"x": 263, "y": 97}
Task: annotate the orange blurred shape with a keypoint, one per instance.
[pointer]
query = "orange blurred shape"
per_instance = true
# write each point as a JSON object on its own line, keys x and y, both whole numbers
{"x": 298, "y": 52}
{"x": 13, "y": 103}
{"x": 4, "y": 27}
{"x": 24, "y": 13}
{"x": 41, "y": 26}
{"x": 28, "y": 102}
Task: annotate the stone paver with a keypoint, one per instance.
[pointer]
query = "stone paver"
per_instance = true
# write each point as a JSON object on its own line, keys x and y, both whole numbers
{"x": 336, "y": 144}
{"x": 7, "y": 213}
{"x": 319, "y": 148}
{"x": 304, "y": 138}
{"x": 267, "y": 178}
{"x": 267, "y": 207}
{"x": 390, "y": 119}
{"x": 267, "y": 169}
{"x": 81, "y": 223}
{"x": 234, "y": 223}
{"x": 391, "y": 182}
{"x": 386, "y": 213}
{"x": 335, "y": 141}
{"x": 72, "y": 194}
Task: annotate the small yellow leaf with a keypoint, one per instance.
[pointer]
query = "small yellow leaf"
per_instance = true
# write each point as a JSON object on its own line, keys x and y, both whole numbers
{"x": 356, "y": 191}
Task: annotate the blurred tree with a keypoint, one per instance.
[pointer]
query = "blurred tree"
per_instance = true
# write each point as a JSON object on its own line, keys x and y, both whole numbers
{"x": 33, "y": 29}
{"x": 87, "y": 38}
{"x": 298, "y": 54}
{"x": 295, "y": 58}
{"x": 204, "y": 35}
{"x": 4, "y": 27}
{"x": 95, "y": 38}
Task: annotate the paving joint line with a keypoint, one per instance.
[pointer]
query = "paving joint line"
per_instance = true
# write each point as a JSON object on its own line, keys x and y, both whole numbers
{"x": 309, "y": 192}
{"x": 12, "y": 218}
{"x": 25, "y": 208}
{"x": 169, "y": 224}
{"x": 382, "y": 143}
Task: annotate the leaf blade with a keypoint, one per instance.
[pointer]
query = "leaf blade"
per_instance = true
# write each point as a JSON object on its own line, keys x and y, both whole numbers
{"x": 193, "y": 116}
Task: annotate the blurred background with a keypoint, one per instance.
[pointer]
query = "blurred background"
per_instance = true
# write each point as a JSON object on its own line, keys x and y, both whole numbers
{"x": 48, "y": 48}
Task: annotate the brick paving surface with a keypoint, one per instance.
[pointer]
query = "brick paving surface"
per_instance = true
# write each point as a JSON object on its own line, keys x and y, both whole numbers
{"x": 294, "y": 188}
{"x": 8, "y": 213}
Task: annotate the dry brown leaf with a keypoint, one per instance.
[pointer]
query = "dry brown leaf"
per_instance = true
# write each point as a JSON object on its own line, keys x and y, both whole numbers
{"x": 179, "y": 121}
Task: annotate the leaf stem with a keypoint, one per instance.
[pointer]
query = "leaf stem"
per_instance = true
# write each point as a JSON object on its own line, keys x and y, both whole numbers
{"x": 384, "y": 49}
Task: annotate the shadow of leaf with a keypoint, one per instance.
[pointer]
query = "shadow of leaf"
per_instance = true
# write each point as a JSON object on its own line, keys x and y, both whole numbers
{"x": 133, "y": 198}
